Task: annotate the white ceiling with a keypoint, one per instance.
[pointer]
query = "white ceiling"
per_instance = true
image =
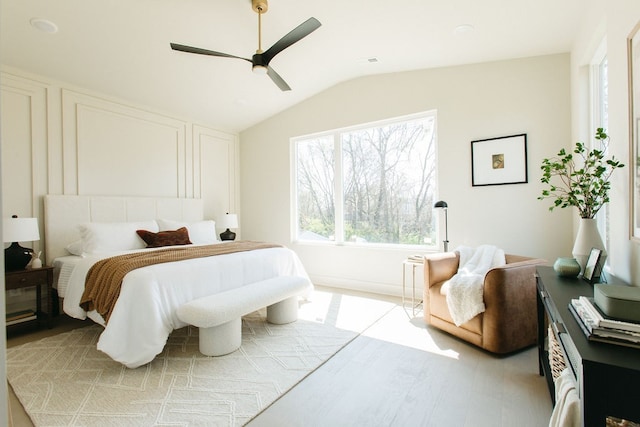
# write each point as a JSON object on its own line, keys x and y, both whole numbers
{"x": 121, "y": 48}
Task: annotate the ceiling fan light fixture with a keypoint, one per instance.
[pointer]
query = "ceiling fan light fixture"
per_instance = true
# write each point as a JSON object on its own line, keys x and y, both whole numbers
{"x": 260, "y": 69}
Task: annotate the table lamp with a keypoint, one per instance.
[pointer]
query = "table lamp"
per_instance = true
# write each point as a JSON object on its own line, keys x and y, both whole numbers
{"x": 443, "y": 205}
{"x": 228, "y": 221}
{"x": 16, "y": 230}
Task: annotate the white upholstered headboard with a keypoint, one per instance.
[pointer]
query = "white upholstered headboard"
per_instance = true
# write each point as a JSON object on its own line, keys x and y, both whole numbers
{"x": 63, "y": 214}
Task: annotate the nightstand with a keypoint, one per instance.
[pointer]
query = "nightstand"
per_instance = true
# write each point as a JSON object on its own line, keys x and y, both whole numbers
{"x": 38, "y": 278}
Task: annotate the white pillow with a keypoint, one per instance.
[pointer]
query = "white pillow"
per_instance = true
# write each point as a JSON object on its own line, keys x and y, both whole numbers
{"x": 75, "y": 248}
{"x": 106, "y": 237}
{"x": 200, "y": 232}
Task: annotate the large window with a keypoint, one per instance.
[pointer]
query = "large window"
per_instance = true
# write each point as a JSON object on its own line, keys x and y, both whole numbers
{"x": 372, "y": 184}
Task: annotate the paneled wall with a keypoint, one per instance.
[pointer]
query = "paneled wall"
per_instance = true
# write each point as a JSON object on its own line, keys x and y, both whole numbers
{"x": 24, "y": 145}
{"x": 60, "y": 139}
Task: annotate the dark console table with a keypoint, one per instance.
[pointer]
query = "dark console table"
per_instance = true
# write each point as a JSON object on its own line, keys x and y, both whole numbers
{"x": 608, "y": 375}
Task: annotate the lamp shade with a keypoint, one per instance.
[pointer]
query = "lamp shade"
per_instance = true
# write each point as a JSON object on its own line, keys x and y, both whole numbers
{"x": 20, "y": 229}
{"x": 440, "y": 204}
{"x": 228, "y": 221}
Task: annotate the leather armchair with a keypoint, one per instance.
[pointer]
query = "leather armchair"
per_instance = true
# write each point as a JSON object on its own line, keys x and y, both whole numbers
{"x": 509, "y": 322}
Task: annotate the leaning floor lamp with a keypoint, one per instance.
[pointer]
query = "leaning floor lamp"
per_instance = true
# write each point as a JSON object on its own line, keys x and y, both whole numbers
{"x": 442, "y": 204}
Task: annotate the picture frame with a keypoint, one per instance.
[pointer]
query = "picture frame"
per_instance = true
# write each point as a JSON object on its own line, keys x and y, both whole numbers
{"x": 633, "y": 64}
{"x": 499, "y": 161}
{"x": 593, "y": 266}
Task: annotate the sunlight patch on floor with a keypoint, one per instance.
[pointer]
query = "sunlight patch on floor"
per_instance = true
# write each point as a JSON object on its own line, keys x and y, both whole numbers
{"x": 361, "y": 313}
{"x": 354, "y": 313}
{"x": 400, "y": 327}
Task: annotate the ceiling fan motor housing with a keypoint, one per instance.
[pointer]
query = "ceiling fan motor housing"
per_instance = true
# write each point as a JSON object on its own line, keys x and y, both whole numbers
{"x": 259, "y": 65}
{"x": 258, "y": 60}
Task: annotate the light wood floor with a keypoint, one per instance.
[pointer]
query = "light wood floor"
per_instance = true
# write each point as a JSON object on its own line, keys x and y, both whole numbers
{"x": 398, "y": 373}
{"x": 401, "y": 373}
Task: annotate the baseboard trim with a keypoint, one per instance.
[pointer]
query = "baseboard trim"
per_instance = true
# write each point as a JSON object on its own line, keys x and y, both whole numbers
{"x": 361, "y": 286}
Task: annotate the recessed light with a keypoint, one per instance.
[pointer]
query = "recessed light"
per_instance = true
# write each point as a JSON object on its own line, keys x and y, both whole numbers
{"x": 44, "y": 25}
{"x": 368, "y": 60}
{"x": 463, "y": 29}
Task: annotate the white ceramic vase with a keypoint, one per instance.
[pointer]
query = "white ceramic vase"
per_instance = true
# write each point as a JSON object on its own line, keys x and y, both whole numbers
{"x": 588, "y": 237}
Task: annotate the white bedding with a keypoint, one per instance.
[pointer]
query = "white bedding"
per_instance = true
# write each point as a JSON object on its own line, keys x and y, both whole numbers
{"x": 145, "y": 313}
{"x": 62, "y": 268}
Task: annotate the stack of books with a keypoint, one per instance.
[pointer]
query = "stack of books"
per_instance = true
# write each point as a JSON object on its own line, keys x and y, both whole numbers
{"x": 416, "y": 258}
{"x": 599, "y": 327}
{"x": 20, "y": 316}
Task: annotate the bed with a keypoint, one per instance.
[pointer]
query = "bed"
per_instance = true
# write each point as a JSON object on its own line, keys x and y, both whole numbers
{"x": 83, "y": 230}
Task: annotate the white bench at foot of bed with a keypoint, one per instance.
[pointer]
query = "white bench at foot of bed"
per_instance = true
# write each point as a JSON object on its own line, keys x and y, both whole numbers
{"x": 218, "y": 316}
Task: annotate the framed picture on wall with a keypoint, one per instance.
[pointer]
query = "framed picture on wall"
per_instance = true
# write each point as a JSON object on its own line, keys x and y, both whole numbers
{"x": 499, "y": 161}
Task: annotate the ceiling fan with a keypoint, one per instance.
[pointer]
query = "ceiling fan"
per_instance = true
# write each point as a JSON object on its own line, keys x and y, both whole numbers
{"x": 260, "y": 60}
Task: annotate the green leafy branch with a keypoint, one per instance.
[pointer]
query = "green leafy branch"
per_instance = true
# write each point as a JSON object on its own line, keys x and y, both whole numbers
{"x": 584, "y": 185}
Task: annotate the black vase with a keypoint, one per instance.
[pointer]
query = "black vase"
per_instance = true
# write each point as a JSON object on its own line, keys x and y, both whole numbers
{"x": 227, "y": 235}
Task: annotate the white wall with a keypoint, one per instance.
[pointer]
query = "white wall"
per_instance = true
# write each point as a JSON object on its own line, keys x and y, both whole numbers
{"x": 479, "y": 101}
{"x": 611, "y": 22}
{"x": 60, "y": 139}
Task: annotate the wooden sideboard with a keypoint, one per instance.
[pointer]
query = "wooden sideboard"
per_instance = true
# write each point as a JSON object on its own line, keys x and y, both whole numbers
{"x": 607, "y": 375}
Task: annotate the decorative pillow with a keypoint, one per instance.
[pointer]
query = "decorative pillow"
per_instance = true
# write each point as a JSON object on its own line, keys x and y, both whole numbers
{"x": 200, "y": 232}
{"x": 108, "y": 237}
{"x": 165, "y": 238}
{"x": 75, "y": 248}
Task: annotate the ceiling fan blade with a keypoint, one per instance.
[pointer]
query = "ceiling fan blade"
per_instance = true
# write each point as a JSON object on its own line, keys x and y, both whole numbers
{"x": 298, "y": 33}
{"x": 197, "y": 50}
{"x": 277, "y": 79}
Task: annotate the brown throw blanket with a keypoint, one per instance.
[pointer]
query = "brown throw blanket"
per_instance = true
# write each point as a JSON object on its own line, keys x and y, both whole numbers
{"x": 104, "y": 279}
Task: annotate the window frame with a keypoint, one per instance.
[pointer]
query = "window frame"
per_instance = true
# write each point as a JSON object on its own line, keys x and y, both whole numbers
{"x": 598, "y": 96}
{"x": 338, "y": 183}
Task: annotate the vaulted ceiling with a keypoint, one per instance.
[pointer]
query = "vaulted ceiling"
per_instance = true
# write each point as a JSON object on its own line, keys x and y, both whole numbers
{"x": 121, "y": 48}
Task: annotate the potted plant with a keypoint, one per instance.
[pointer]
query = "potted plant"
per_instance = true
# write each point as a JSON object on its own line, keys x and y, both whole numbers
{"x": 581, "y": 179}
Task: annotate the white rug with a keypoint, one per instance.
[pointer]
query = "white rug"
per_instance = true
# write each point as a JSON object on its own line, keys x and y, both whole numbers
{"x": 64, "y": 381}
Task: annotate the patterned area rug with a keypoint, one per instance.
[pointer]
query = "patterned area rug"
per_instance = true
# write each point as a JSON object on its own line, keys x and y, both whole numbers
{"x": 65, "y": 380}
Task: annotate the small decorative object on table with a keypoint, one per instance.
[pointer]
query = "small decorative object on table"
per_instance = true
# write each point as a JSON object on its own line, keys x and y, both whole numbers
{"x": 593, "y": 267}
{"x": 618, "y": 302}
{"x": 567, "y": 267}
{"x": 36, "y": 262}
